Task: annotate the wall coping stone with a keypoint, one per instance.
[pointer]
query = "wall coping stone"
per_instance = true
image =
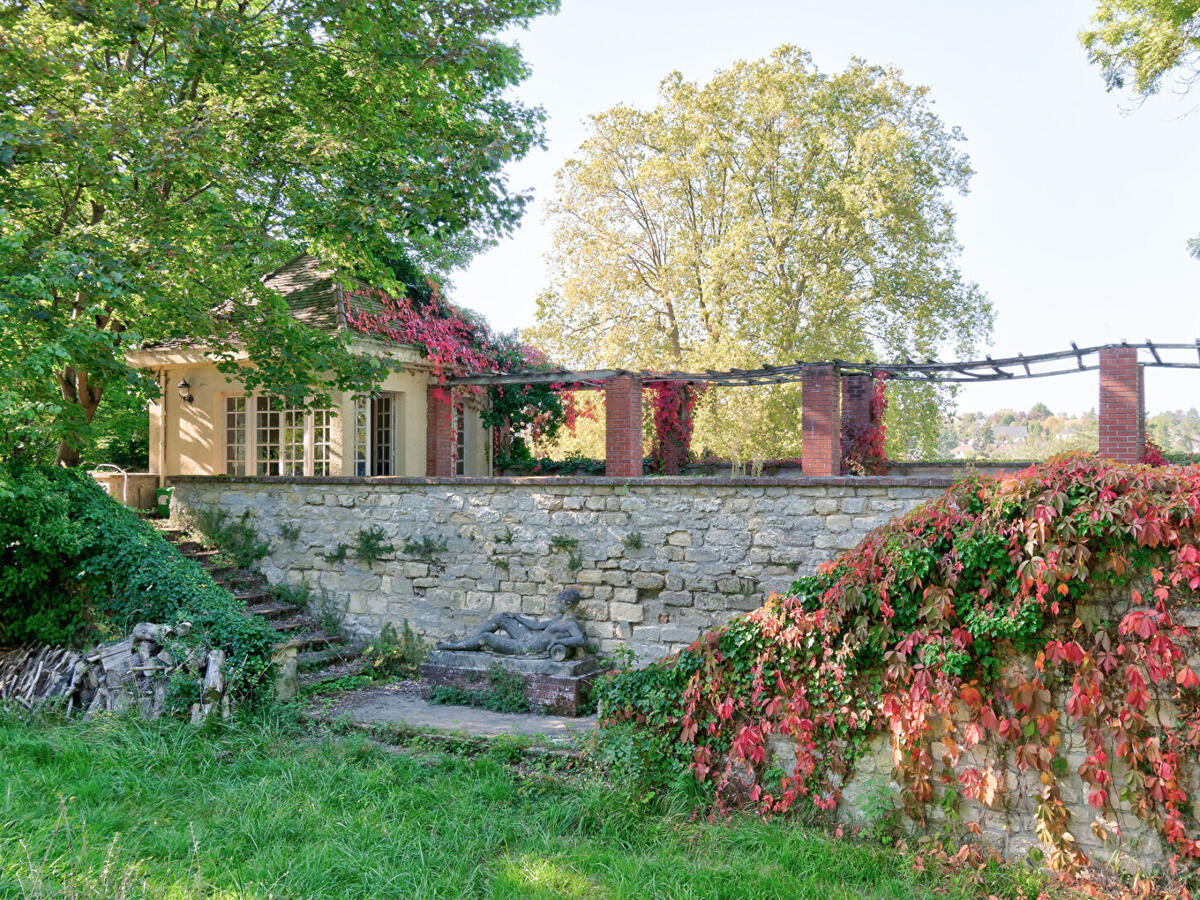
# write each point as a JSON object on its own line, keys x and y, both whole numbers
{"x": 664, "y": 481}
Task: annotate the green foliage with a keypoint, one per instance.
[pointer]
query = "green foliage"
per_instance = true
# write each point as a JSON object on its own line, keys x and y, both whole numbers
{"x": 774, "y": 213}
{"x": 526, "y": 464}
{"x": 73, "y": 561}
{"x": 152, "y": 157}
{"x": 370, "y": 544}
{"x": 1138, "y": 43}
{"x": 394, "y": 654}
{"x": 338, "y": 554}
{"x": 337, "y": 817}
{"x": 337, "y": 685}
{"x": 505, "y": 692}
{"x": 299, "y": 594}
{"x": 882, "y": 813}
{"x": 561, "y": 543}
{"x": 289, "y": 531}
{"x": 427, "y": 548}
{"x": 235, "y": 537}
{"x": 632, "y": 541}
{"x": 1142, "y": 44}
{"x": 932, "y": 617}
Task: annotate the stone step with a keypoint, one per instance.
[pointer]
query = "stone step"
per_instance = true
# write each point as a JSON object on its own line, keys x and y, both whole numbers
{"x": 255, "y": 596}
{"x": 266, "y": 608}
{"x": 313, "y": 661}
{"x": 201, "y": 555}
{"x": 311, "y": 641}
{"x": 300, "y": 623}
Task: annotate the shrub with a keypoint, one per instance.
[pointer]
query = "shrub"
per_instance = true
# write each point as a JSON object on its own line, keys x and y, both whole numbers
{"x": 394, "y": 655}
{"x": 918, "y": 622}
{"x": 505, "y": 692}
{"x": 73, "y": 561}
{"x": 370, "y": 544}
{"x": 427, "y": 548}
{"x": 236, "y": 537}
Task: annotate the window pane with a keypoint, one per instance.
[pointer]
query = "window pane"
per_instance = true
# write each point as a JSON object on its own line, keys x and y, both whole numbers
{"x": 322, "y": 432}
{"x": 235, "y": 435}
{"x": 267, "y": 436}
{"x": 361, "y": 436}
{"x": 460, "y": 441}
{"x": 381, "y": 427}
{"x": 291, "y": 451}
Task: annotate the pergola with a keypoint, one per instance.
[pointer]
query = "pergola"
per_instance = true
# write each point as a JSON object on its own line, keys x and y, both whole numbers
{"x": 837, "y": 394}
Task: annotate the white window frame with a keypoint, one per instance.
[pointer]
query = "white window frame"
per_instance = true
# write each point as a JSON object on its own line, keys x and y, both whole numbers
{"x": 291, "y": 465}
{"x": 460, "y": 439}
{"x": 366, "y": 435}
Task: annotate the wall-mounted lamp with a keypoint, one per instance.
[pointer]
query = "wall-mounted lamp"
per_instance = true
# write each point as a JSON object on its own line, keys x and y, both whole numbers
{"x": 185, "y": 391}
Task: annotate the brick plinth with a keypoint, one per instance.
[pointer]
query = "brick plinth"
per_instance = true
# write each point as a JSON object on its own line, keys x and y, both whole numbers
{"x": 821, "y": 420}
{"x": 623, "y": 427}
{"x": 560, "y": 696}
{"x": 439, "y": 433}
{"x": 1122, "y": 406}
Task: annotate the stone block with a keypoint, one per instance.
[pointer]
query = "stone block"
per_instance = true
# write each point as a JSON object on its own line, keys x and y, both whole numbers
{"x": 676, "y": 598}
{"x": 679, "y": 539}
{"x": 627, "y": 612}
{"x": 648, "y": 581}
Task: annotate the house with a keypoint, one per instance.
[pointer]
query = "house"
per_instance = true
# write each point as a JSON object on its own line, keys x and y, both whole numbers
{"x": 1010, "y": 434}
{"x": 205, "y": 423}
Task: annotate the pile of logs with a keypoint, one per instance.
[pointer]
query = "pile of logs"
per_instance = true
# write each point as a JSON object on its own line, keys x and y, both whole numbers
{"x": 31, "y": 674}
{"x": 134, "y": 672}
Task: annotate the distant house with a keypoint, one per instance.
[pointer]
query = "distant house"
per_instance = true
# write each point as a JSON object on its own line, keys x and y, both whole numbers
{"x": 1010, "y": 434}
{"x": 207, "y": 424}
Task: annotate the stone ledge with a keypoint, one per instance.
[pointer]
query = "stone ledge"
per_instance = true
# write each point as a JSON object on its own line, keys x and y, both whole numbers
{"x": 652, "y": 481}
{"x": 562, "y": 695}
{"x": 480, "y": 661}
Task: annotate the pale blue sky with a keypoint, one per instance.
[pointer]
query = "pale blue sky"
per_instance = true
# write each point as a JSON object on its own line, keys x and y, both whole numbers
{"x": 1080, "y": 209}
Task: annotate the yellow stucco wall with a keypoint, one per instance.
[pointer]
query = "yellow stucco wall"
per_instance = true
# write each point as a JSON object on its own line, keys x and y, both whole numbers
{"x": 195, "y": 434}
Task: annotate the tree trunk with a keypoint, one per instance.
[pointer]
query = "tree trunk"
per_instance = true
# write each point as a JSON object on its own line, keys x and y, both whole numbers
{"x": 78, "y": 391}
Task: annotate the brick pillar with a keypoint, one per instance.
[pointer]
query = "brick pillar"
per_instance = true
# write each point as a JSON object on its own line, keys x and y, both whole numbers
{"x": 1122, "y": 406}
{"x": 856, "y": 411}
{"x": 822, "y": 423}
{"x": 623, "y": 427}
{"x": 439, "y": 434}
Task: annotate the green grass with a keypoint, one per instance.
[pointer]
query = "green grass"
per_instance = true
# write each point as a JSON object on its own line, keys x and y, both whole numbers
{"x": 122, "y": 808}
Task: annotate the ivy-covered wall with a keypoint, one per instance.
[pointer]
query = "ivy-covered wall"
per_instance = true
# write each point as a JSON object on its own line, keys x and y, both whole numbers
{"x": 657, "y": 561}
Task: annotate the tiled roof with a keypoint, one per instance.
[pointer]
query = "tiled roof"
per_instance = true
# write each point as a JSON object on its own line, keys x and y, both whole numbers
{"x": 310, "y": 291}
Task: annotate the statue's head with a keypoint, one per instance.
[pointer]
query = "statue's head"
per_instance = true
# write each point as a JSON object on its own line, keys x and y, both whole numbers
{"x": 567, "y": 600}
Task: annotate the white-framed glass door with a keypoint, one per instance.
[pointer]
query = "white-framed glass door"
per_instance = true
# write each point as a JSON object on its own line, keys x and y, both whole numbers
{"x": 375, "y": 434}
{"x": 265, "y": 436}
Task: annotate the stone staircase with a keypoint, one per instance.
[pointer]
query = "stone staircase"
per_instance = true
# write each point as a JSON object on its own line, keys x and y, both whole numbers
{"x": 319, "y": 653}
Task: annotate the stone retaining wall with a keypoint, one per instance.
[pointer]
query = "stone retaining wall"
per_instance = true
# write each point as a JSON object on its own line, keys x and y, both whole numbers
{"x": 1118, "y": 840}
{"x": 656, "y": 560}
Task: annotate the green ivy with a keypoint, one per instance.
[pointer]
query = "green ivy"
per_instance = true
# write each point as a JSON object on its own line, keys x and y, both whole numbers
{"x": 76, "y": 564}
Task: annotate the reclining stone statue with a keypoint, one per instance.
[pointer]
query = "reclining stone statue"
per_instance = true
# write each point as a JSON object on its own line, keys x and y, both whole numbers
{"x": 520, "y": 635}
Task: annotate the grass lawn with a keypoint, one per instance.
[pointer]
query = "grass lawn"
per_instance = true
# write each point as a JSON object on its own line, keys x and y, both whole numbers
{"x": 122, "y": 808}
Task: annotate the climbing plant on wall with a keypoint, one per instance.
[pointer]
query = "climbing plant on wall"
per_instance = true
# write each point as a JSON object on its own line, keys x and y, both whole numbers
{"x": 926, "y": 623}
{"x": 672, "y": 404}
{"x": 456, "y": 343}
{"x": 863, "y": 443}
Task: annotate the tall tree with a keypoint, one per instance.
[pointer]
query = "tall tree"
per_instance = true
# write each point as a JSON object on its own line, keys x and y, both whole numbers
{"x": 1139, "y": 43}
{"x": 157, "y": 155}
{"x": 1142, "y": 44}
{"x": 776, "y": 213}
